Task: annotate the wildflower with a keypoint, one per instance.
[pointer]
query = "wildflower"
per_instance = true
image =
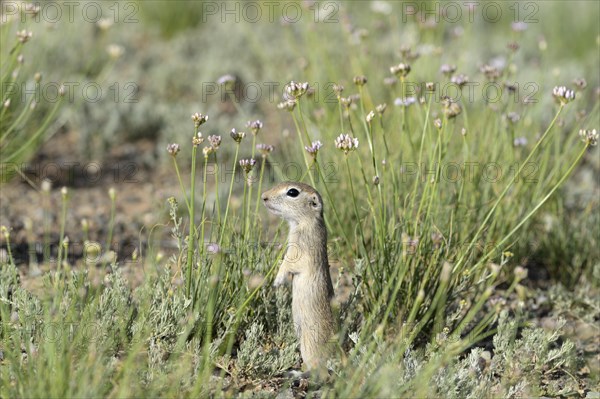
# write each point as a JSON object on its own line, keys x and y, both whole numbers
{"x": 215, "y": 141}
{"x": 376, "y": 180}
{"x": 7, "y": 103}
{"x": 346, "y": 143}
{"x": 590, "y": 137}
{"x": 314, "y": 148}
{"x": 37, "y": 77}
{"x": 491, "y": 72}
{"x": 563, "y": 95}
{"x": 580, "y": 83}
{"x": 381, "y": 7}
{"x": 360, "y": 80}
{"x": 112, "y": 193}
{"x": 338, "y": 89}
{"x": 208, "y": 150}
{"x": 410, "y": 244}
{"x": 104, "y": 23}
{"x": 407, "y": 53}
{"x": 199, "y": 119}
{"x": 115, "y": 51}
{"x": 20, "y": 59}
{"x": 46, "y": 185}
{"x": 346, "y": 102}
{"x": 288, "y": 105}
{"x": 226, "y": 80}
{"x": 23, "y": 36}
{"x": 32, "y": 9}
{"x": 173, "y": 149}
{"x": 463, "y": 131}
{"x": 247, "y": 164}
{"x": 520, "y": 142}
{"x": 430, "y": 86}
{"x": 451, "y": 109}
{"x": 319, "y": 113}
{"x": 254, "y": 126}
{"x": 511, "y": 87}
{"x": 513, "y": 46}
{"x": 296, "y": 90}
{"x": 520, "y": 273}
{"x": 494, "y": 269}
{"x": 61, "y": 90}
{"x": 447, "y": 69}
{"x": 265, "y": 149}
{"x": 358, "y": 35}
{"x": 405, "y": 102}
{"x": 437, "y": 123}
{"x": 390, "y": 81}
{"x": 237, "y": 136}
{"x": 197, "y": 139}
{"x": 401, "y": 69}
{"x": 460, "y": 80}
{"x": 213, "y": 248}
{"x": 519, "y": 26}
{"x": 370, "y": 116}
{"x": 513, "y": 117}
{"x": 381, "y": 108}
{"x": 354, "y": 98}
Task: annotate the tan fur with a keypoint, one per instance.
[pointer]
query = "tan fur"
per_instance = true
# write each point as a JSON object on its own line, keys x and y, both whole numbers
{"x": 306, "y": 261}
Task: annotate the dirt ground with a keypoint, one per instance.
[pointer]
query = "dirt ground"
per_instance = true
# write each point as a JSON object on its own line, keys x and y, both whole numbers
{"x": 141, "y": 186}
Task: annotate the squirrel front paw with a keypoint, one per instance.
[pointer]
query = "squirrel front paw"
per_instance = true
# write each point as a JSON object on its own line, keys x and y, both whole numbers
{"x": 279, "y": 280}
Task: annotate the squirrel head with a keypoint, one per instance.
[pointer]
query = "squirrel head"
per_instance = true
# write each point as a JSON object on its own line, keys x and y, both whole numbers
{"x": 298, "y": 203}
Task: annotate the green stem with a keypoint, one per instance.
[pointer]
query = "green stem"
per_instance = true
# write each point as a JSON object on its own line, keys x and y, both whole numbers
{"x": 539, "y": 205}
{"x": 235, "y": 158}
{"x": 247, "y": 221}
{"x": 187, "y": 203}
{"x": 298, "y": 130}
{"x": 191, "y": 239}
{"x": 414, "y": 191}
{"x": 260, "y": 179}
{"x": 111, "y": 225}
{"x": 63, "y": 220}
{"x": 362, "y": 237}
{"x": 335, "y": 212}
{"x": 503, "y": 194}
{"x": 26, "y": 109}
{"x": 36, "y": 135}
{"x": 8, "y": 250}
{"x": 202, "y": 218}
{"x": 218, "y": 203}
{"x": 341, "y": 115}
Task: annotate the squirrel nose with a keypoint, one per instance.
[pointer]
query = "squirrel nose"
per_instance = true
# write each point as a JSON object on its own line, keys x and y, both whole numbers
{"x": 265, "y": 197}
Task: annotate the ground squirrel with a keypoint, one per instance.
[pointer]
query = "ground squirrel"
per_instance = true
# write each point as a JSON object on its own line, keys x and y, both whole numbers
{"x": 306, "y": 260}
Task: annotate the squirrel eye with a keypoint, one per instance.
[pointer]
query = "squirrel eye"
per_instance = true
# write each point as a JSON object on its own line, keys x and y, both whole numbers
{"x": 292, "y": 192}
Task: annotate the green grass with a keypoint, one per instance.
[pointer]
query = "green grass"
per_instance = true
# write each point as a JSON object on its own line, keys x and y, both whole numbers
{"x": 432, "y": 263}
